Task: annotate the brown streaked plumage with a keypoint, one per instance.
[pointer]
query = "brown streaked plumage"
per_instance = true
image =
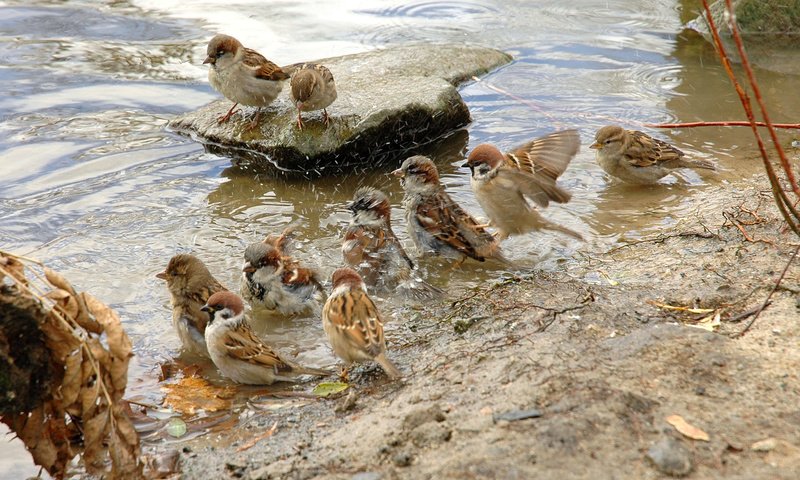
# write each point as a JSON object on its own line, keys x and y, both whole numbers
{"x": 278, "y": 285}
{"x": 436, "y": 223}
{"x": 238, "y": 353}
{"x": 635, "y": 157}
{"x": 190, "y": 284}
{"x": 353, "y": 324}
{"x": 242, "y": 75}
{"x": 313, "y": 88}
{"x": 504, "y": 183}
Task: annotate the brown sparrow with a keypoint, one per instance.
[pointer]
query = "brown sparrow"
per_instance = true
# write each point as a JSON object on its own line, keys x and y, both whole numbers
{"x": 636, "y": 157}
{"x": 313, "y": 88}
{"x": 190, "y": 285}
{"x": 238, "y": 353}
{"x": 503, "y": 183}
{"x": 436, "y": 223}
{"x": 242, "y": 75}
{"x": 353, "y": 323}
{"x": 277, "y": 285}
{"x": 372, "y": 249}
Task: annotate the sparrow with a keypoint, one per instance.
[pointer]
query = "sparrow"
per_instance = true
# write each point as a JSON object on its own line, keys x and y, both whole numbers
{"x": 436, "y": 224}
{"x": 313, "y": 88}
{"x": 372, "y": 249}
{"x": 504, "y": 183}
{"x": 190, "y": 285}
{"x": 242, "y": 75}
{"x": 238, "y": 353}
{"x": 638, "y": 158}
{"x": 275, "y": 284}
{"x": 353, "y": 324}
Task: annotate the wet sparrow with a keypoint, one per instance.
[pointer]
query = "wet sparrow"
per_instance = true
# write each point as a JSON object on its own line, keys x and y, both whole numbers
{"x": 372, "y": 249}
{"x": 190, "y": 284}
{"x": 353, "y": 324}
{"x": 313, "y": 88}
{"x": 435, "y": 223}
{"x": 636, "y": 157}
{"x": 277, "y": 285}
{"x": 242, "y": 75}
{"x": 238, "y": 353}
{"x": 504, "y": 183}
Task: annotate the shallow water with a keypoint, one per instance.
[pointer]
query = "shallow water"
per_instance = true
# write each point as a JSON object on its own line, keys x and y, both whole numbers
{"x": 93, "y": 184}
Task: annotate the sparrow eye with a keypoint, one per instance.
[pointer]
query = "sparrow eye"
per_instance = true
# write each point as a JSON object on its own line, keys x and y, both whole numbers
{"x": 220, "y": 53}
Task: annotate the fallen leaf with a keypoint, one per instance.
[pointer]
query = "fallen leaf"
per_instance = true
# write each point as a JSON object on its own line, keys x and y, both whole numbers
{"x": 610, "y": 281}
{"x": 686, "y": 429}
{"x": 325, "y": 389}
{"x": 176, "y": 427}
{"x": 191, "y": 394}
{"x": 709, "y": 323}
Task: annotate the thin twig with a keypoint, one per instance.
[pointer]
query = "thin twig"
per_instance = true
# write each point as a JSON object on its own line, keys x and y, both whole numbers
{"x": 774, "y": 289}
{"x": 741, "y": 316}
{"x": 252, "y": 443}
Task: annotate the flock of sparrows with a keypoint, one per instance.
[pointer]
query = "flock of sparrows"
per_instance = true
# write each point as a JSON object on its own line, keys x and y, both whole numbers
{"x": 211, "y": 321}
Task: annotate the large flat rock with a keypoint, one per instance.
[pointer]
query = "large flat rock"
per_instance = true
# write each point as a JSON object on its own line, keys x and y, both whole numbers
{"x": 389, "y": 102}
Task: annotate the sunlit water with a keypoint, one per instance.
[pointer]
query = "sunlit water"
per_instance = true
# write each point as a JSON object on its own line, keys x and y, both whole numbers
{"x": 93, "y": 184}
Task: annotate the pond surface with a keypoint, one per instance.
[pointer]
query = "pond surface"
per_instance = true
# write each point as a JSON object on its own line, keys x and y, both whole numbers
{"x": 92, "y": 184}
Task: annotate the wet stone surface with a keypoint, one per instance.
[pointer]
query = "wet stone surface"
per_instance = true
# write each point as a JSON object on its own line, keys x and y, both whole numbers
{"x": 389, "y": 103}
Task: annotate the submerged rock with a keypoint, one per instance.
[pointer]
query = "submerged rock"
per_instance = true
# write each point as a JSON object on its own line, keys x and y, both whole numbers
{"x": 389, "y": 103}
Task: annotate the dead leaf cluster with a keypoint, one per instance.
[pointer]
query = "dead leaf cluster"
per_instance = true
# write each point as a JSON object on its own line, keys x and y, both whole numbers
{"x": 90, "y": 353}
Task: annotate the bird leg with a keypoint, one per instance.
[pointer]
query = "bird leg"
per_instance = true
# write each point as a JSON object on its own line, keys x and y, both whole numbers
{"x": 299, "y": 120}
{"x": 227, "y": 116}
{"x": 254, "y": 122}
{"x": 344, "y": 375}
{"x": 484, "y": 225}
{"x": 325, "y": 117}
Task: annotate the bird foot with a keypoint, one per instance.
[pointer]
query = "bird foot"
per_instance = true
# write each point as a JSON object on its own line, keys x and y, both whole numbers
{"x": 228, "y": 115}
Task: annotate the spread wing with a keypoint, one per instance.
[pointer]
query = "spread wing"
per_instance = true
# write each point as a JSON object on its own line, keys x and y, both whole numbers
{"x": 538, "y": 189}
{"x": 363, "y": 245}
{"x": 242, "y": 344}
{"x": 448, "y": 223}
{"x": 264, "y": 69}
{"x": 646, "y": 151}
{"x": 356, "y": 318}
{"x": 545, "y": 157}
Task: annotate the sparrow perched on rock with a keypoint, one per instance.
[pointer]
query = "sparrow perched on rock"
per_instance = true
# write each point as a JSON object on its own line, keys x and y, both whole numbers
{"x": 242, "y": 75}
{"x": 638, "y": 158}
{"x": 504, "y": 183}
{"x": 277, "y": 285}
{"x": 238, "y": 353}
{"x": 436, "y": 223}
{"x": 190, "y": 285}
{"x": 353, "y": 323}
{"x": 371, "y": 248}
{"x": 313, "y": 88}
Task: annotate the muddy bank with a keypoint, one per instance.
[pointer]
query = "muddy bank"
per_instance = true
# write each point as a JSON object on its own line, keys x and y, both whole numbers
{"x": 572, "y": 373}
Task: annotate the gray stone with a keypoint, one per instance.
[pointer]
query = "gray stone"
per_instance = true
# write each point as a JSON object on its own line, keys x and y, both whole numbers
{"x": 367, "y": 476}
{"x": 279, "y": 469}
{"x": 402, "y": 459}
{"x": 389, "y": 103}
{"x": 670, "y": 457}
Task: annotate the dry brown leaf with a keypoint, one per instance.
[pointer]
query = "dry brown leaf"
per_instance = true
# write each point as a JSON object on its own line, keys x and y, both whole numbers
{"x": 71, "y": 384}
{"x": 686, "y": 429}
{"x": 191, "y": 394}
{"x": 94, "y": 433}
{"x": 65, "y": 301}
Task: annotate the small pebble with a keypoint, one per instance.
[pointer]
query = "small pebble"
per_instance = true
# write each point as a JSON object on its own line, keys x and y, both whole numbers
{"x": 670, "y": 457}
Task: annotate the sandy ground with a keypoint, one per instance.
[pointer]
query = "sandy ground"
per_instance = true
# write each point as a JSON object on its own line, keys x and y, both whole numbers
{"x": 572, "y": 374}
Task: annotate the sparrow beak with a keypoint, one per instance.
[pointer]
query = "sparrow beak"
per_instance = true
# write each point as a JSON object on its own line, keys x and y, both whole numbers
{"x": 247, "y": 268}
{"x": 398, "y": 173}
{"x": 595, "y": 146}
{"x": 466, "y": 165}
{"x": 206, "y": 308}
{"x": 162, "y": 275}
{"x": 210, "y": 60}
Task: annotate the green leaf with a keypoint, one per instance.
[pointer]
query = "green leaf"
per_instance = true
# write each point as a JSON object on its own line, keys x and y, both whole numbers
{"x": 329, "y": 388}
{"x": 176, "y": 427}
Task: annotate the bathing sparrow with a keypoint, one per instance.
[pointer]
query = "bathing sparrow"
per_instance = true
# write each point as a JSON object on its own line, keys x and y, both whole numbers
{"x": 638, "y": 158}
{"x": 238, "y": 353}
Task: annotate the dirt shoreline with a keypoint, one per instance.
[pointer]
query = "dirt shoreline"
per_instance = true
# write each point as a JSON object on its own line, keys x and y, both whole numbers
{"x": 572, "y": 374}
